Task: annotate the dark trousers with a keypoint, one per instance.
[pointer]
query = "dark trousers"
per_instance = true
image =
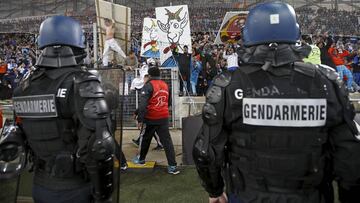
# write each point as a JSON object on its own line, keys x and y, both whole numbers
{"x": 79, "y": 195}
{"x": 357, "y": 77}
{"x": 165, "y": 139}
{"x": 123, "y": 159}
{"x": 187, "y": 82}
{"x": 120, "y": 155}
{"x": 142, "y": 132}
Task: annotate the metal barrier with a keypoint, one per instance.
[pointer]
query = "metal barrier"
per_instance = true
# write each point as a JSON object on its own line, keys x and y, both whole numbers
{"x": 355, "y": 100}
{"x": 6, "y": 110}
{"x": 130, "y": 98}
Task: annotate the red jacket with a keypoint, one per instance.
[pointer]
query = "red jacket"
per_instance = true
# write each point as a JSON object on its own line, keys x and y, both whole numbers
{"x": 338, "y": 58}
{"x": 3, "y": 68}
{"x": 158, "y": 104}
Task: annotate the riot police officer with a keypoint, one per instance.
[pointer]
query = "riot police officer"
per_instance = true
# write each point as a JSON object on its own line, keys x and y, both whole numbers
{"x": 64, "y": 120}
{"x": 277, "y": 130}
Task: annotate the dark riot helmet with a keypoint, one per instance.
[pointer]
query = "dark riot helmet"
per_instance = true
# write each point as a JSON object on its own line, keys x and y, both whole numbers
{"x": 63, "y": 42}
{"x": 273, "y": 22}
{"x": 61, "y": 30}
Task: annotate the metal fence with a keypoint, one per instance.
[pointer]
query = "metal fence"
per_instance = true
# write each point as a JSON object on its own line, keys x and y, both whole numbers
{"x": 130, "y": 98}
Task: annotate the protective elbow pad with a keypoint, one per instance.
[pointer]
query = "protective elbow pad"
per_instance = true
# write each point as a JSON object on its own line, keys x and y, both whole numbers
{"x": 101, "y": 166}
{"x": 90, "y": 103}
{"x": 103, "y": 146}
{"x": 209, "y": 114}
{"x": 202, "y": 153}
{"x": 91, "y": 89}
{"x": 101, "y": 176}
{"x": 96, "y": 109}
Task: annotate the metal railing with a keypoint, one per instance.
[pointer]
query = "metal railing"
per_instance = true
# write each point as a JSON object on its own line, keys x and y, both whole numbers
{"x": 115, "y": 76}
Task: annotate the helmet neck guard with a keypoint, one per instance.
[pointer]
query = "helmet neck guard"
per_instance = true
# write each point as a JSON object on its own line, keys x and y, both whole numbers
{"x": 274, "y": 54}
{"x": 59, "y": 57}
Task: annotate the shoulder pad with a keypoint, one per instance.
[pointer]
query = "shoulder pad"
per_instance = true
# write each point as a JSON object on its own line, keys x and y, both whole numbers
{"x": 223, "y": 79}
{"x": 91, "y": 89}
{"x": 90, "y": 99}
{"x": 85, "y": 76}
{"x": 95, "y": 109}
{"x": 89, "y": 85}
{"x": 329, "y": 72}
{"x": 92, "y": 110}
{"x": 305, "y": 68}
{"x": 36, "y": 74}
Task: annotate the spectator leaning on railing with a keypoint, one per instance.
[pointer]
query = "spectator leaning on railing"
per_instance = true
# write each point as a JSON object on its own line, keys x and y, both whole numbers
{"x": 337, "y": 55}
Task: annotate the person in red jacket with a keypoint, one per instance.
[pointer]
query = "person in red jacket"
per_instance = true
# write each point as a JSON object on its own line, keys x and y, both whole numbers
{"x": 154, "y": 112}
{"x": 337, "y": 55}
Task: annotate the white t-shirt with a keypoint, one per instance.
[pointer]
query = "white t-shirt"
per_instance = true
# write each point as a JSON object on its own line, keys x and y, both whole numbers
{"x": 232, "y": 60}
{"x": 138, "y": 83}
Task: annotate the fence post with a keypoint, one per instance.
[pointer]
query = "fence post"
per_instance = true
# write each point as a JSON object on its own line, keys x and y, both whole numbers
{"x": 173, "y": 91}
{"x": 95, "y": 45}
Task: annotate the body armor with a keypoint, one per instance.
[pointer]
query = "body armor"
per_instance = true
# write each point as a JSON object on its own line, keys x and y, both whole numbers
{"x": 271, "y": 152}
{"x": 42, "y": 102}
{"x": 65, "y": 119}
{"x": 270, "y": 129}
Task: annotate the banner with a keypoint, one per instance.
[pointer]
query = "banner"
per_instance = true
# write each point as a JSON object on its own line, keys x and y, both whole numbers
{"x": 149, "y": 44}
{"x": 174, "y": 32}
{"x": 231, "y": 27}
{"x": 122, "y": 17}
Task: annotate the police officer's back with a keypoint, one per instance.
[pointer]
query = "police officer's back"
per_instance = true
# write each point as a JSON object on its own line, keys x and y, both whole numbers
{"x": 277, "y": 130}
{"x": 64, "y": 120}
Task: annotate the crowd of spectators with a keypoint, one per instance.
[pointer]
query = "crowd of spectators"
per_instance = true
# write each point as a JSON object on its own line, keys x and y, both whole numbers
{"x": 17, "y": 56}
{"x": 17, "y": 51}
{"x": 312, "y": 21}
{"x": 22, "y": 25}
{"x": 339, "y": 22}
{"x": 208, "y": 59}
{"x": 342, "y": 54}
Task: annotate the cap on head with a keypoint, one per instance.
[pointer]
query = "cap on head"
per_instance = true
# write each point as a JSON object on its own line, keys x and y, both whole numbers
{"x": 273, "y": 22}
{"x": 61, "y": 30}
{"x": 154, "y": 72}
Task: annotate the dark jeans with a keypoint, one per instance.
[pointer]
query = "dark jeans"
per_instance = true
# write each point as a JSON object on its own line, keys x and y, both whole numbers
{"x": 79, "y": 195}
{"x": 187, "y": 82}
{"x": 123, "y": 159}
{"x": 142, "y": 132}
{"x": 120, "y": 155}
{"x": 165, "y": 139}
{"x": 357, "y": 77}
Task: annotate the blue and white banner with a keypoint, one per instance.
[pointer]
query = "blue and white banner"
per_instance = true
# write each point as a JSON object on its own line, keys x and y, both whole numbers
{"x": 149, "y": 41}
{"x": 174, "y": 32}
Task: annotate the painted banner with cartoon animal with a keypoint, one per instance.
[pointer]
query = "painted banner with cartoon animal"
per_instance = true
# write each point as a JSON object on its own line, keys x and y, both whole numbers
{"x": 149, "y": 41}
{"x": 174, "y": 32}
{"x": 231, "y": 27}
